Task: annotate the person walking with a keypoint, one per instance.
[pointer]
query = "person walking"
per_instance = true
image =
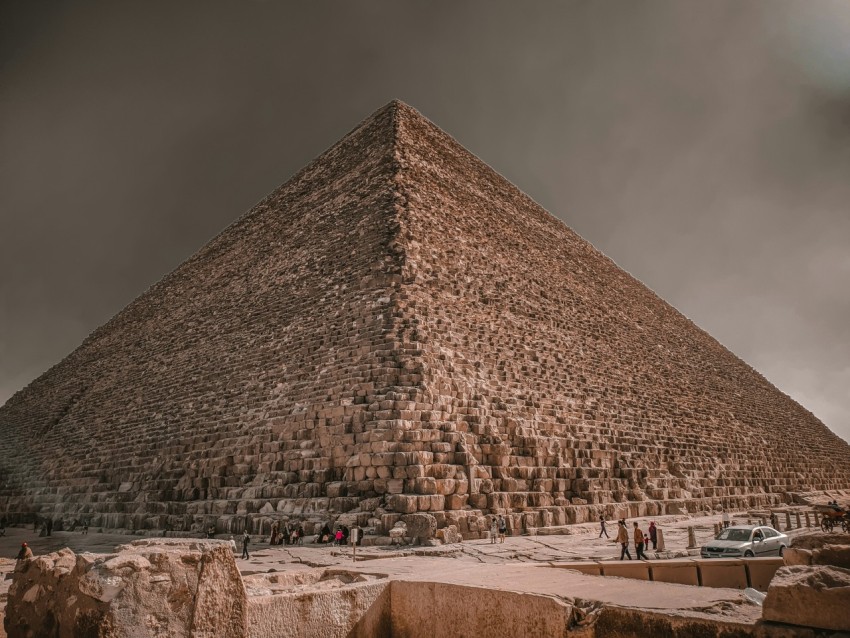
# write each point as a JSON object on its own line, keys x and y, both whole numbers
{"x": 639, "y": 538}
{"x": 725, "y": 518}
{"x": 246, "y": 538}
{"x": 602, "y": 529}
{"x": 503, "y": 528}
{"x": 623, "y": 539}
{"x": 653, "y": 535}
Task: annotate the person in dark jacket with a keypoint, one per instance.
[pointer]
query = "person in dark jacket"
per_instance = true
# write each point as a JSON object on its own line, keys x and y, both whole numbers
{"x": 25, "y": 552}
{"x": 246, "y": 538}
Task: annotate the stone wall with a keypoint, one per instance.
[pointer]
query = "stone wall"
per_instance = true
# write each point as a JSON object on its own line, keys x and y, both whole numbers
{"x": 398, "y": 329}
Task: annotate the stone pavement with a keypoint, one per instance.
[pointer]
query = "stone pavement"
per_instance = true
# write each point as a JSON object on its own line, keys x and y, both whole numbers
{"x": 519, "y": 564}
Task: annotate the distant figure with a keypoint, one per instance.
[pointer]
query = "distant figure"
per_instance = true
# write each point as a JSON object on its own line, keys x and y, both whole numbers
{"x": 3, "y": 526}
{"x": 246, "y": 538}
{"x": 639, "y": 539}
{"x": 345, "y": 534}
{"x": 338, "y": 537}
{"x": 232, "y": 543}
{"x": 85, "y": 528}
{"x": 725, "y": 519}
{"x": 653, "y": 535}
{"x": 211, "y": 531}
{"x": 623, "y": 539}
{"x": 325, "y": 534}
{"x": 299, "y": 533}
{"x": 25, "y": 552}
{"x": 503, "y": 528}
{"x": 494, "y": 530}
{"x": 49, "y": 526}
{"x": 602, "y": 529}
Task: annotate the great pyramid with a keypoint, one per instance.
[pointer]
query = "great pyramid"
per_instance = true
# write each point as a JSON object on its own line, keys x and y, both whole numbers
{"x": 398, "y": 329}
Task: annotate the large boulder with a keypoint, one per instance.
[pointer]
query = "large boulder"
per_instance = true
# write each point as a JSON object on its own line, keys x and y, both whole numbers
{"x": 816, "y": 539}
{"x": 811, "y": 596}
{"x": 835, "y": 555}
{"x": 420, "y": 526}
{"x": 167, "y": 587}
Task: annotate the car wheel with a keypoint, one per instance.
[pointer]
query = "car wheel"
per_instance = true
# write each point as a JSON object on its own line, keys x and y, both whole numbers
{"x": 782, "y": 550}
{"x": 748, "y": 554}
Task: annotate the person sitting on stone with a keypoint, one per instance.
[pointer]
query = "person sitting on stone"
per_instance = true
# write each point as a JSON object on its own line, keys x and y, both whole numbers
{"x": 25, "y": 552}
{"x": 325, "y": 534}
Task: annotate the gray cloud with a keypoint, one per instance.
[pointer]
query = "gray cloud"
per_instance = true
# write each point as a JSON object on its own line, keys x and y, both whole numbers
{"x": 705, "y": 147}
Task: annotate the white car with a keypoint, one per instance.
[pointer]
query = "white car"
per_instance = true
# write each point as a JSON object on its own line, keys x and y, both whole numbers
{"x": 746, "y": 541}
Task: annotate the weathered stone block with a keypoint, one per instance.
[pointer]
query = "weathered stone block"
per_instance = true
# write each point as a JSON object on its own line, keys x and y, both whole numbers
{"x": 149, "y": 588}
{"x": 811, "y": 596}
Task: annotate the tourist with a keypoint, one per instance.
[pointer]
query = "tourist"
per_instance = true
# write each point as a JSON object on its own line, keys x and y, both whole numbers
{"x": 494, "y": 530}
{"x": 324, "y": 535}
{"x": 274, "y": 533}
{"x": 49, "y": 526}
{"x": 338, "y": 537}
{"x": 638, "y": 542}
{"x": 602, "y": 529}
{"x": 623, "y": 539}
{"x": 211, "y": 531}
{"x": 653, "y": 535}
{"x": 299, "y": 534}
{"x": 503, "y": 528}
{"x": 232, "y": 544}
{"x": 345, "y": 534}
{"x": 246, "y": 538}
{"x": 725, "y": 518}
{"x": 3, "y": 526}
{"x": 85, "y": 528}
{"x": 25, "y": 552}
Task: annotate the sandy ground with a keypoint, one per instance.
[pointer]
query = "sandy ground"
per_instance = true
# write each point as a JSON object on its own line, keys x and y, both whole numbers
{"x": 520, "y": 561}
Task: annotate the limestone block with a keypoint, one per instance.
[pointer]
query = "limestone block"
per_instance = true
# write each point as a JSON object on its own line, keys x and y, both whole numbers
{"x": 811, "y": 596}
{"x": 797, "y": 556}
{"x": 637, "y": 569}
{"x": 817, "y": 539}
{"x": 449, "y": 535}
{"x": 835, "y": 555}
{"x": 720, "y": 572}
{"x": 760, "y": 571}
{"x": 420, "y": 526}
{"x": 150, "y": 588}
{"x": 403, "y": 503}
{"x": 425, "y": 485}
{"x": 456, "y": 501}
{"x": 683, "y": 571}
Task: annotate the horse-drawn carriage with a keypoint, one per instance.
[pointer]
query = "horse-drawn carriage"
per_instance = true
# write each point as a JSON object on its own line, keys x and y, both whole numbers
{"x": 833, "y": 516}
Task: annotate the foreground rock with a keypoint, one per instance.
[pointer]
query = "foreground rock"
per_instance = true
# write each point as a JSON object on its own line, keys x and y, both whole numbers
{"x": 818, "y": 548}
{"x": 149, "y": 588}
{"x": 810, "y": 596}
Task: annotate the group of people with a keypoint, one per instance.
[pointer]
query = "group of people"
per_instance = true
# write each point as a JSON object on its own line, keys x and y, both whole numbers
{"x": 641, "y": 539}
{"x": 286, "y": 534}
{"x": 339, "y": 537}
{"x": 498, "y": 529}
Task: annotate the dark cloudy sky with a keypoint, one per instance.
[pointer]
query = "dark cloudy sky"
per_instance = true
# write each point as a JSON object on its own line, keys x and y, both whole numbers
{"x": 704, "y": 146}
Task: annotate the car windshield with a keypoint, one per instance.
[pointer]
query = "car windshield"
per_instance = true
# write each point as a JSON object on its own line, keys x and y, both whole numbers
{"x": 734, "y": 535}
